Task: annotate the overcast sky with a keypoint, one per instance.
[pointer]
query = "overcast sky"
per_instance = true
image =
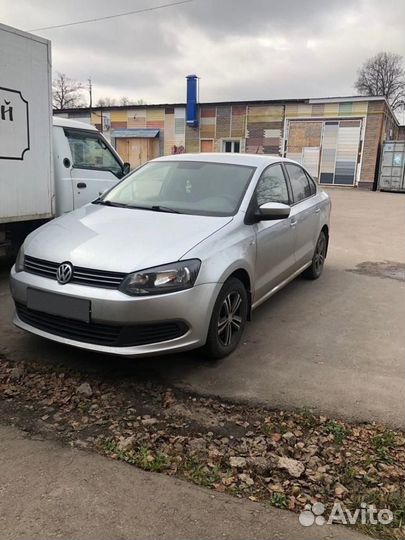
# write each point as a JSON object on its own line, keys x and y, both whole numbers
{"x": 241, "y": 49}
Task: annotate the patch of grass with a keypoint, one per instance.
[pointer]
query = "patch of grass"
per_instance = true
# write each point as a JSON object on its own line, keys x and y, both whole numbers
{"x": 109, "y": 446}
{"x": 338, "y": 431}
{"x": 201, "y": 474}
{"x": 394, "y": 502}
{"x": 368, "y": 460}
{"x": 383, "y": 443}
{"x": 144, "y": 457}
{"x": 237, "y": 491}
{"x": 348, "y": 475}
{"x": 308, "y": 419}
{"x": 267, "y": 429}
{"x": 279, "y": 500}
{"x": 385, "y": 440}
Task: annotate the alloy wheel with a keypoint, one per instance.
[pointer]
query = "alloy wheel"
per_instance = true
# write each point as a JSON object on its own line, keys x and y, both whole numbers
{"x": 230, "y": 318}
{"x": 319, "y": 257}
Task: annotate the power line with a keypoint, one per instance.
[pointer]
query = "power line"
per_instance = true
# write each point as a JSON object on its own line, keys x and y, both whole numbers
{"x": 107, "y": 17}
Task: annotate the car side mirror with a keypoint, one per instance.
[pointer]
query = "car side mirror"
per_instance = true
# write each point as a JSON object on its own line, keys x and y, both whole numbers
{"x": 126, "y": 168}
{"x": 272, "y": 210}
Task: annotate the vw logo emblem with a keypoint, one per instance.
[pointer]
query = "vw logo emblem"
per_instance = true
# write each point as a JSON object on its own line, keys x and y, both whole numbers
{"x": 64, "y": 273}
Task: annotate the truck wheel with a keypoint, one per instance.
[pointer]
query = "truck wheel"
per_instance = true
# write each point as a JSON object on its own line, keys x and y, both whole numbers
{"x": 228, "y": 320}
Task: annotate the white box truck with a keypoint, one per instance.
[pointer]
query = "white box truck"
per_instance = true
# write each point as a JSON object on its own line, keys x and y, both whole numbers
{"x": 47, "y": 166}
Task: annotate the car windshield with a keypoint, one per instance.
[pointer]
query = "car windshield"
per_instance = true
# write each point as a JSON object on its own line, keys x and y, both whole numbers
{"x": 189, "y": 187}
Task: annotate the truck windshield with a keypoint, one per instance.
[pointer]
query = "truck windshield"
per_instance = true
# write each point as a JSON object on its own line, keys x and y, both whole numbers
{"x": 187, "y": 187}
{"x": 90, "y": 151}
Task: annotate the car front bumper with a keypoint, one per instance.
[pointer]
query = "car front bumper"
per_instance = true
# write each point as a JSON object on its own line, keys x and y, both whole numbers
{"x": 193, "y": 307}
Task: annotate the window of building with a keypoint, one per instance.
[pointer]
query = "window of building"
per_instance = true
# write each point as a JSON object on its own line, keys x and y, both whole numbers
{"x": 272, "y": 186}
{"x": 231, "y": 146}
{"x": 299, "y": 182}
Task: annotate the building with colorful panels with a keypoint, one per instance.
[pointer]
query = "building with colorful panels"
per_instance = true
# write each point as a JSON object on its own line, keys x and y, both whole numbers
{"x": 338, "y": 140}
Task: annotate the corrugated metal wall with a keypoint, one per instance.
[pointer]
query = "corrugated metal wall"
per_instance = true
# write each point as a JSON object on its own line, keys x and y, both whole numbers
{"x": 392, "y": 171}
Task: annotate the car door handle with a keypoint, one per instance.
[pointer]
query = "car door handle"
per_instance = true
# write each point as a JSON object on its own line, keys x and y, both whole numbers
{"x": 293, "y": 222}
{"x": 317, "y": 210}
{"x": 81, "y": 185}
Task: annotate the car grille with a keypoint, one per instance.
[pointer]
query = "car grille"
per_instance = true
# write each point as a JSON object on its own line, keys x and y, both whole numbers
{"x": 102, "y": 334}
{"x": 83, "y": 276}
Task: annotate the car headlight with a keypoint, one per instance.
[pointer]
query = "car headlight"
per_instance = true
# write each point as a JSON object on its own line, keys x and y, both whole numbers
{"x": 168, "y": 278}
{"x": 19, "y": 262}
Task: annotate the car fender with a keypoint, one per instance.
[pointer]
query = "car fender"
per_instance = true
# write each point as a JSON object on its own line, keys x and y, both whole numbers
{"x": 224, "y": 253}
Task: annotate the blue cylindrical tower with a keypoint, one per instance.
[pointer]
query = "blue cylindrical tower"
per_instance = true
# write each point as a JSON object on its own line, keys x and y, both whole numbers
{"x": 192, "y": 97}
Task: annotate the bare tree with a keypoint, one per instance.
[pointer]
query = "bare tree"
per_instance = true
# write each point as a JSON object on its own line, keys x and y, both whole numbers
{"x": 106, "y": 102}
{"x": 123, "y": 101}
{"x": 383, "y": 75}
{"x": 66, "y": 92}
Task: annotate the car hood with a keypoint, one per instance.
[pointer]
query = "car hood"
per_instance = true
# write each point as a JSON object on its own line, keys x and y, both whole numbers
{"x": 120, "y": 239}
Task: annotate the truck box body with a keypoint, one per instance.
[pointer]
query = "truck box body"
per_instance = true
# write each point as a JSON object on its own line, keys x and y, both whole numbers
{"x": 26, "y": 187}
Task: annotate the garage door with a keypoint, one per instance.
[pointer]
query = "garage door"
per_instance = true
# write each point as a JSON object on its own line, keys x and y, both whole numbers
{"x": 328, "y": 149}
{"x": 303, "y": 145}
{"x": 340, "y": 152}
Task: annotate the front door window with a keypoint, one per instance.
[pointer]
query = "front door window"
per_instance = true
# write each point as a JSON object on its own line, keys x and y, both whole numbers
{"x": 90, "y": 151}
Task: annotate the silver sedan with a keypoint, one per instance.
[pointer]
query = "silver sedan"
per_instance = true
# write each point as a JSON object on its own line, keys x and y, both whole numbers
{"x": 174, "y": 257}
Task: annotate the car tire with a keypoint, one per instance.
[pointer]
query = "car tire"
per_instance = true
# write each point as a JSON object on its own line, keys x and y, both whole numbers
{"x": 318, "y": 260}
{"x": 228, "y": 320}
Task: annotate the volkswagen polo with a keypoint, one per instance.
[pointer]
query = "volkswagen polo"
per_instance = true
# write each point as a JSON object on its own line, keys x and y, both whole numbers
{"x": 174, "y": 257}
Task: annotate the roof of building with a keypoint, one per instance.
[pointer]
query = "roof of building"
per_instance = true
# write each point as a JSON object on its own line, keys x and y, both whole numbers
{"x": 336, "y": 99}
{"x": 263, "y": 102}
{"x": 137, "y": 133}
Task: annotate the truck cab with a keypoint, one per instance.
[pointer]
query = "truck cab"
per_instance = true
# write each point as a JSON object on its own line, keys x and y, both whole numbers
{"x": 84, "y": 164}
{"x": 48, "y": 166}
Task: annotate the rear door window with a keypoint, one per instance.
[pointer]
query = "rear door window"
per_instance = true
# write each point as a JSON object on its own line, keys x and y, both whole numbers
{"x": 300, "y": 183}
{"x": 312, "y": 184}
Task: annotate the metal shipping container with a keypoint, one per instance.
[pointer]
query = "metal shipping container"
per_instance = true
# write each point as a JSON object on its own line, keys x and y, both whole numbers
{"x": 392, "y": 168}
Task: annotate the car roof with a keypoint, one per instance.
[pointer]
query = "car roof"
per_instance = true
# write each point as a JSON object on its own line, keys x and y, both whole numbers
{"x": 67, "y": 122}
{"x": 251, "y": 160}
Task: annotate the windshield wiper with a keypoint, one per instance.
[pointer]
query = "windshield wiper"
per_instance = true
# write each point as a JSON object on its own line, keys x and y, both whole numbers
{"x": 158, "y": 208}
{"x": 110, "y": 203}
{"x": 155, "y": 208}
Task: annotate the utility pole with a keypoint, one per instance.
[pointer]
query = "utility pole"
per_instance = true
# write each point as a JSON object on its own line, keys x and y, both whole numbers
{"x": 90, "y": 94}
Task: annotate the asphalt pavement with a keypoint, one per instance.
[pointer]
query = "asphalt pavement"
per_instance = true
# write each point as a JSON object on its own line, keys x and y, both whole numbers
{"x": 335, "y": 345}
